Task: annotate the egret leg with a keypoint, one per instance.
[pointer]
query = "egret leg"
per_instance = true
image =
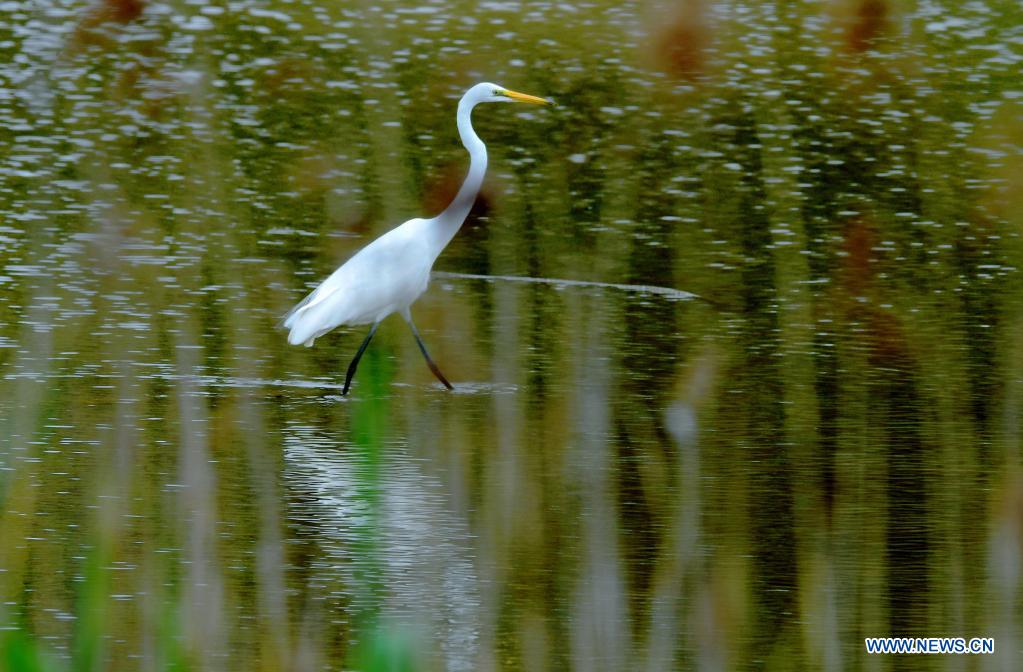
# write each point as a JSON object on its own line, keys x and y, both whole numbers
{"x": 358, "y": 355}
{"x": 422, "y": 348}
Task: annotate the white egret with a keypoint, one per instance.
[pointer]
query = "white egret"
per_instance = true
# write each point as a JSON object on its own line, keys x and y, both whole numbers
{"x": 390, "y": 273}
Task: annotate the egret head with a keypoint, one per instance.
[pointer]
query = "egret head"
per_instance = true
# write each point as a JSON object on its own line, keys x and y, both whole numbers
{"x": 487, "y": 92}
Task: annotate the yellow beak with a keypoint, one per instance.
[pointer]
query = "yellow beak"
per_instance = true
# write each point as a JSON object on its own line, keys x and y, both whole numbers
{"x": 526, "y": 98}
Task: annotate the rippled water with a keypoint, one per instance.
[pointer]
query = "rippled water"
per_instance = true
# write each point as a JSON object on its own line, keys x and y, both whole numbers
{"x": 734, "y": 332}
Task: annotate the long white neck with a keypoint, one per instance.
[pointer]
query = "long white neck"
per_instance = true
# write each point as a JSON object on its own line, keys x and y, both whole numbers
{"x": 446, "y": 224}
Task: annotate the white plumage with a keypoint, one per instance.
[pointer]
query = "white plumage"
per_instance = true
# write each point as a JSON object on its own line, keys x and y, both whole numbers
{"x": 384, "y": 277}
{"x": 389, "y": 274}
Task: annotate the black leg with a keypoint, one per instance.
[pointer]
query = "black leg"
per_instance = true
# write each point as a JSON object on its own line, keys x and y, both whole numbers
{"x": 358, "y": 355}
{"x": 422, "y": 349}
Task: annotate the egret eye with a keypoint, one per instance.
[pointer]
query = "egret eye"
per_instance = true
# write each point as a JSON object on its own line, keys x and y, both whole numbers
{"x": 498, "y": 92}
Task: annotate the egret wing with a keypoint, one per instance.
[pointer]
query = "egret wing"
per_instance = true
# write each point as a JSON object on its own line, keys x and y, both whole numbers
{"x": 385, "y": 276}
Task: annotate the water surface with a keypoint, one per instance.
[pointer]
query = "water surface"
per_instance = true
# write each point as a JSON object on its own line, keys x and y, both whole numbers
{"x": 734, "y": 332}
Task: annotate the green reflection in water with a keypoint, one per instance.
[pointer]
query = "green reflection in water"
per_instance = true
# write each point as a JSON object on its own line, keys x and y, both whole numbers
{"x": 823, "y": 447}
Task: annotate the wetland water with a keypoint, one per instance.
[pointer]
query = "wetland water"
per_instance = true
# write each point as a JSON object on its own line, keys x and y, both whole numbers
{"x": 815, "y": 440}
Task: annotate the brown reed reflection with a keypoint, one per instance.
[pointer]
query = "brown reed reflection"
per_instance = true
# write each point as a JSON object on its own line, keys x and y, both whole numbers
{"x": 680, "y": 38}
{"x": 120, "y": 11}
{"x": 866, "y": 21}
{"x": 91, "y": 29}
{"x": 828, "y": 451}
